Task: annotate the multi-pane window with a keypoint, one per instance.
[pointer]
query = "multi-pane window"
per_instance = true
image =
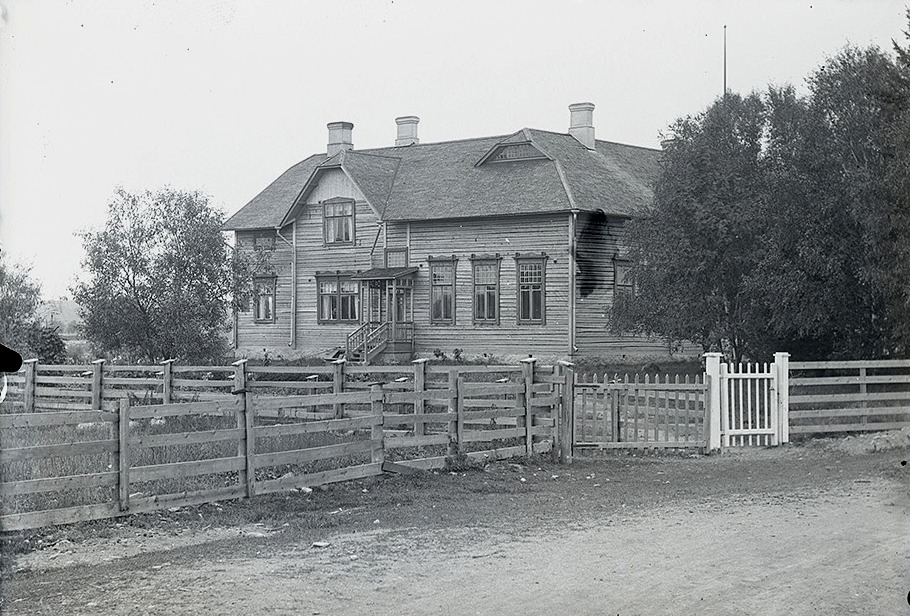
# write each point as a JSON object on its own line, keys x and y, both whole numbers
{"x": 531, "y": 291}
{"x": 486, "y": 291}
{"x": 339, "y": 299}
{"x": 442, "y": 291}
{"x": 622, "y": 280}
{"x": 396, "y": 257}
{"x": 338, "y": 221}
{"x": 264, "y": 299}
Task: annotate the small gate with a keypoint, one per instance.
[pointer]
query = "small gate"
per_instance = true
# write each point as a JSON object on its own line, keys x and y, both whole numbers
{"x": 750, "y": 405}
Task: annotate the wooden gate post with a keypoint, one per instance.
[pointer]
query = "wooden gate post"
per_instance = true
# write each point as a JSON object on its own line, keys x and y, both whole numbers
{"x": 377, "y": 435}
{"x": 566, "y": 422}
{"x": 527, "y": 371}
{"x": 123, "y": 458}
{"x": 454, "y": 406}
{"x": 247, "y": 447}
{"x": 167, "y": 390}
{"x": 713, "y": 406}
{"x": 338, "y": 385}
{"x": 239, "y": 376}
{"x": 28, "y": 387}
{"x": 782, "y": 365}
{"x": 420, "y": 385}
{"x": 97, "y": 383}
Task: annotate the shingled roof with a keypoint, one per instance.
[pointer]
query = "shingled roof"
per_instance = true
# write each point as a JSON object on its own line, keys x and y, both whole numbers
{"x": 436, "y": 181}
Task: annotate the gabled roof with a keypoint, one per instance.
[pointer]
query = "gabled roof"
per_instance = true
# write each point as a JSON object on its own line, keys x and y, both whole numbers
{"x": 454, "y": 179}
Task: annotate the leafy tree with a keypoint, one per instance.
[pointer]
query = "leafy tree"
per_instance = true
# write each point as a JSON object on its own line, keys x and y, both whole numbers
{"x": 21, "y": 328}
{"x": 161, "y": 279}
{"x": 694, "y": 249}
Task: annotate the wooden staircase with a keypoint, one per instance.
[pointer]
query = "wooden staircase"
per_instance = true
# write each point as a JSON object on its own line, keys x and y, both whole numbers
{"x": 372, "y": 339}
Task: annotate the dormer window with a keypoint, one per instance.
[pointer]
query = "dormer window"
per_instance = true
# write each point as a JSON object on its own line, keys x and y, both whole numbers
{"x": 520, "y": 151}
{"x": 338, "y": 221}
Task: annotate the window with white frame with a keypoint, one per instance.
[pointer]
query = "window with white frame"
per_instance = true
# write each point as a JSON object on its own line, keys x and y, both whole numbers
{"x": 442, "y": 291}
{"x": 531, "y": 289}
{"x": 486, "y": 290}
{"x": 264, "y": 300}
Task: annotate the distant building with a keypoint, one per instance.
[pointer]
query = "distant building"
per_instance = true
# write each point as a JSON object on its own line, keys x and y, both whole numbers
{"x": 504, "y": 245}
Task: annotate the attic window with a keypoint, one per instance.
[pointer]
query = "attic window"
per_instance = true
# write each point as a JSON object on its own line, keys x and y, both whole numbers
{"x": 519, "y": 151}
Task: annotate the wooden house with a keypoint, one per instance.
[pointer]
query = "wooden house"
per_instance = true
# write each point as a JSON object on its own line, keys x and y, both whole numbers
{"x": 506, "y": 246}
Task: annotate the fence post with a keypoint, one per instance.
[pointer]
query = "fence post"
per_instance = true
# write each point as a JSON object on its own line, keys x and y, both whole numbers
{"x": 167, "y": 390}
{"x": 338, "y": 385}
{"x": 782, "y": 364}
{"x": 420, "y": 381}
{"x": 28, "y": 387}
{"x": 712, "y": 421}
{"x": 567, "y": 414}
{"x": 527, "y": 371}
{"x": 454, "y": 405}
{"x": 239, "y": 376}
{"x": 123, "y": 458}
{"x": 377, "y": 435}
{"x": 97, "y": 383}
{"x": 248, "y": 476}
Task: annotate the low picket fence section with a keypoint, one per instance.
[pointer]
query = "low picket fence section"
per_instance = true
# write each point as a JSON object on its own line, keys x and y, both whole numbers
{"x": 72, "y": 465}
{"x": 849, "y": 396}
{"x": 639, "y": 413}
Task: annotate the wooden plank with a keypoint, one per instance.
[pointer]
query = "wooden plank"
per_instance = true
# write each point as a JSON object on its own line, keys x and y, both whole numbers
{"x": 72, "y": 418}
{"x": 439, "y": 396}
{"x": 834, "y": 365}
{"x": 44, "y": 405}
{"x": 623, "y": 386}
{"x": 378, "y": 370}
{"x": 642, "y": 445}
{"x": 540, "y": 388}
{"x": 486, "y": 389}
{"x": 311, "y": 385}
{"x": 123, "y": 458}
{"x": 132, "y": 381}
{"x": 473, "y": 436}
{"x": 492, "y": 414}
{"x": 436, "y": 369}
{"x": 41, "y": 379}
{"x": 425, "y": 463}
{"x": 401, "y": 469}
{"x": 851, "y": 412}
{"x": 426, "y": 440}
{"x": 797, "y": 399}
{"x": 301, "y": 414}
{"x": 66, "y": 368}
{"x": 132, "y": 368}
{"x": 321, "y": 478}
{"x": 263, "y": 402}
{"x": 312, "y": 427}
{"x": 56, "y": 484}
{"x": 192, "y": 468}
{"x": 59, "y": 392}
{"x": 185, "y": 438}
{"x": 849, "y": 380}
{"x": 57, "y": 451}
{"x": 854, "y": 427}
{"x": 184, "y": 408}
{"x": 311, "y": 454}
{"x": 303, "y": 371}
{"x": 50, "y": 517}
{"x": 490, "y": 403}
{"x": 398, "y": 419}
{"x": 185, "y": 499}
{"x": 545, "y": 401}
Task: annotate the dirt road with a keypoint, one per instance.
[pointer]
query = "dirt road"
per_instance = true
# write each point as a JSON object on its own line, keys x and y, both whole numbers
{"x": 801, "y": 530}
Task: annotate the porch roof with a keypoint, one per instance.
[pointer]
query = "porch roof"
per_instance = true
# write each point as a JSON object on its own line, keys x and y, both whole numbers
{"x": 385, "y": 273}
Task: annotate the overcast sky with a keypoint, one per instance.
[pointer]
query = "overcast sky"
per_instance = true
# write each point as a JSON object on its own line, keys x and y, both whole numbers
{"x": 223, "y": 96}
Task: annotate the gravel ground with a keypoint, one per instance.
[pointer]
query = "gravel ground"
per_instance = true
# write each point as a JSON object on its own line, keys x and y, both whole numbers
{"x": 816, "y": 528}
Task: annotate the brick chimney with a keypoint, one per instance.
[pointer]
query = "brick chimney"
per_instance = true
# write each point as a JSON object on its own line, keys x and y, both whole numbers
{"x": 581, "y": 123}
{"x": 339, "y": 137}
{"x": 407, "y": 130}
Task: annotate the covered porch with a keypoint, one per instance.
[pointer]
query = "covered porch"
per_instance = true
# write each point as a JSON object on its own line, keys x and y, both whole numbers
{"x": 387, "y": 295}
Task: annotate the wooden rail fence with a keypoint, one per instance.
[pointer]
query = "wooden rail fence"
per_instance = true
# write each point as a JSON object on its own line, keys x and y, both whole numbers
{"x": 60, "y": 466}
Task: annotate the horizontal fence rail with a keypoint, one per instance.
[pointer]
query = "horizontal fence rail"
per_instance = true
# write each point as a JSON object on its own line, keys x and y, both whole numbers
{"x": 61, "y": 466}
{"x": 849, "y": 396}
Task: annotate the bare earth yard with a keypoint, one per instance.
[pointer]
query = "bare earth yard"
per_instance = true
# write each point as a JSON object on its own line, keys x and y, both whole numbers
{"x": 822, "y": 528}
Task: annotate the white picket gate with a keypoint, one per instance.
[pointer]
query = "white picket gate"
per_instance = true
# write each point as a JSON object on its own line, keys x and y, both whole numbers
{"x": 748, "y": 402}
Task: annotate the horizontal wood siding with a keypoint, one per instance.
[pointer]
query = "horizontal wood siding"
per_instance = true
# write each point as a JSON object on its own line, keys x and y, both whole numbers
{"x": 506, "y": 236}
{"x": 595, "y": 252}
{"x": 314, "y": 256}
{"x": 277, "y": 334}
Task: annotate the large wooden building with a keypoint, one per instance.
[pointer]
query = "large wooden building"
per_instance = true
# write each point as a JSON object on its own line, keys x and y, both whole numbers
{"x": 504, "y": 246}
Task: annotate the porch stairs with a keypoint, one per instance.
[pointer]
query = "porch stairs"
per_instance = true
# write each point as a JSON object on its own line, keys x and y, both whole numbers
{"x": 367, "y": 342}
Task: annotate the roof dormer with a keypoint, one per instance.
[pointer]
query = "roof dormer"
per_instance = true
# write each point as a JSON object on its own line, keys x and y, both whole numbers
{"x": 518, "y": 147}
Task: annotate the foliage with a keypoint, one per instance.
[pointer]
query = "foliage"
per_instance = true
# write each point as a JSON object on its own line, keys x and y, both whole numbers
{"x": 21, "y": 328}
{"x": 782, "y": 222}
{"x": 161, "y": 279}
